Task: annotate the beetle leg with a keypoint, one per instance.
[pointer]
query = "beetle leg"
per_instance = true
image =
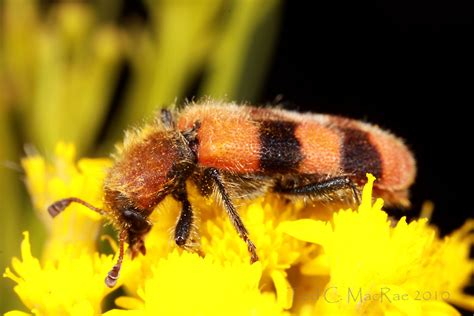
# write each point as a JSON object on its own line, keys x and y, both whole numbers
{"x": 204, "y": 183}
{"x": 191, "y": 137}
{"x": 167, "y": 119}
{"x": 234, "y": 217}
{"x": 185, "y": 221}
{"x": 321, "y": 188}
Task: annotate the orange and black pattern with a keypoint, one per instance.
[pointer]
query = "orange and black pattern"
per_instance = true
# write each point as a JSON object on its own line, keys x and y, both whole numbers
{"x": 244, "y": 140}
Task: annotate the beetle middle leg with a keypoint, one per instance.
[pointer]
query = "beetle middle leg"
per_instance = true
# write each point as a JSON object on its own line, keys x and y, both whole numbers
{"x": 320, "y": 188}
{"x": 234, "y": 217}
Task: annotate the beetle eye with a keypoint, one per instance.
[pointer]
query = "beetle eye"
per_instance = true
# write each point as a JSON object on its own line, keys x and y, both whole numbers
{"x": 138, "y": 222}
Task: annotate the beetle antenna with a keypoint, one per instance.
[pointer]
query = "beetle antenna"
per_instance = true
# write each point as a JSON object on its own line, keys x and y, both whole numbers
{"x": 59, "y": 206}
{"x": 113, "y": 274}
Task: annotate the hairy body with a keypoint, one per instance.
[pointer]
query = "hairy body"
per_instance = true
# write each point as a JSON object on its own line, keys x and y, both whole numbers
{"x": 239, "y": 151}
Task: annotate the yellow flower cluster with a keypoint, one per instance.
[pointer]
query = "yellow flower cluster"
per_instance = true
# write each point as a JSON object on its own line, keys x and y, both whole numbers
{"x": 70, "y": 284}
{"x": 350, "y": 262}
{"x": 61, "y": 178}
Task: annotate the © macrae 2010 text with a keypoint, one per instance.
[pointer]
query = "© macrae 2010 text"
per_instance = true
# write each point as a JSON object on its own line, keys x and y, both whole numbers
{"x": 385, "y": 294}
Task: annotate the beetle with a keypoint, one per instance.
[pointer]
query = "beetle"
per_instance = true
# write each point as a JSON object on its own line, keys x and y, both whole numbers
{"x": 243, "y": 151}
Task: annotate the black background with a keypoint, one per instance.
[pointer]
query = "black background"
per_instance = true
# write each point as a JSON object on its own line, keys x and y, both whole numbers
{"x": 403, "y": 65}
{"x": 406, "y": 66}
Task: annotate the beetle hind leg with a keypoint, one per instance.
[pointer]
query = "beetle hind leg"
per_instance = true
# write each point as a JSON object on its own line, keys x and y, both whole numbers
{"x": 320, "y": 188}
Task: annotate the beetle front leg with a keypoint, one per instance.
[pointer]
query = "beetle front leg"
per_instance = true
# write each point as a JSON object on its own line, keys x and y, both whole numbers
{"x": 185, "y": 221}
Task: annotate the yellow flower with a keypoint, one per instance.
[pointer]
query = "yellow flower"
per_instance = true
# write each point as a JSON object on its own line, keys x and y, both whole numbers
{"x": 63, "y": 178}
{"x": 376, "y": 268}
{"x": 356, "y": 262}
{"x": 73, "y": 284}
{"x": 159, "y": 243}
{"x": 186, "y": 284}
{"x": 277, "y": 251}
